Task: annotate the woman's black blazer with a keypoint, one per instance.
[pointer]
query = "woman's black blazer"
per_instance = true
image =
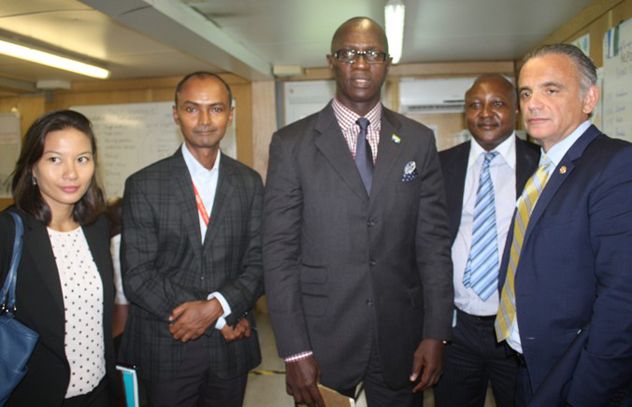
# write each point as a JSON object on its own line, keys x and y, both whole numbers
{"x": 40, "y": 306}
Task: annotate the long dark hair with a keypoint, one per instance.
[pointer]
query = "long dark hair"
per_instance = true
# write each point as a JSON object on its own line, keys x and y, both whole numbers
{"x": 27, "y": 195}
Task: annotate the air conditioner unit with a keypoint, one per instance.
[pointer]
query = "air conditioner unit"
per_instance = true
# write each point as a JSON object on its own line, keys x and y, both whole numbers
{"x": 433, "y": 95}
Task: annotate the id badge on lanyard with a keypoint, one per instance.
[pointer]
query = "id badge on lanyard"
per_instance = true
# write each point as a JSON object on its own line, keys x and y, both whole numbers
{"x": 200, "y": 206}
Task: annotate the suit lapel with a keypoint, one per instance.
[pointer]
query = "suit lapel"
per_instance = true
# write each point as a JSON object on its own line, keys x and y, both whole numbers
{"x": 388, "y": 150}
{"x": 526, "y": 165}
{"x": 331, "y": 143}
{"x": 182, "y": 188}
{"x": 455, "y": 175}
{"x": 557, "y": 179}
{"x": 41, "y": 251}
{"x": 225, "y": 188}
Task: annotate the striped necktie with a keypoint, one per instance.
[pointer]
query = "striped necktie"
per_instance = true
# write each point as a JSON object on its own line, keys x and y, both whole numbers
{"x": 364, "y": 156}
{"x": 507, "y": 307}
{"x": 481, "y": 271}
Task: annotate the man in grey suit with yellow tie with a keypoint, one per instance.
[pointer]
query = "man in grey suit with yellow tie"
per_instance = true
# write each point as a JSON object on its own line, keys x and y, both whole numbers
{"x": 356, "y": 246}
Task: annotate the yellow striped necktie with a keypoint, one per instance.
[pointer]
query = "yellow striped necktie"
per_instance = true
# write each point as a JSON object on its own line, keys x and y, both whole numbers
{"x": 507, "y": 307}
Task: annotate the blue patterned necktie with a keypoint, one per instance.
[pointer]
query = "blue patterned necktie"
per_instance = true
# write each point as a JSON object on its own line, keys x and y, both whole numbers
{"x": 481, "y": 271}
{"x": 364, "y": 156}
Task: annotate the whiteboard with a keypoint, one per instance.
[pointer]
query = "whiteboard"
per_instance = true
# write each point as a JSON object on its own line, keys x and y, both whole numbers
{"x": 9, "y": 149}
{"x": 617, "y": 83}
{"x": 133, "y": 136}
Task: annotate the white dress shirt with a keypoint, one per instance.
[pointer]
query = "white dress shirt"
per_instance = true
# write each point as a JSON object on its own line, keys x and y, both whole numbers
{"x": 503, "y": 174}
{"x": 555, "y": 154}
{"x": 115, "y": 251}
{"x": 205, "y": 181}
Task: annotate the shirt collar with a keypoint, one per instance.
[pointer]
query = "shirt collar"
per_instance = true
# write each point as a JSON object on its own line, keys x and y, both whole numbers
{"x": 506, "y": 149}
{"x": 347, "y": 118}
{"x": 559, "y": 150}
{"x": 195, "y": 168}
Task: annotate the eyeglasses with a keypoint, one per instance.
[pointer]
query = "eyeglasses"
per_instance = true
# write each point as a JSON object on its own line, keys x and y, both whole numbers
{"x": 350, "y": 56}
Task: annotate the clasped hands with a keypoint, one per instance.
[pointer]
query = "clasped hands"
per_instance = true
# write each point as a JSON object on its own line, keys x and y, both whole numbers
{"x": 190, "y": 320}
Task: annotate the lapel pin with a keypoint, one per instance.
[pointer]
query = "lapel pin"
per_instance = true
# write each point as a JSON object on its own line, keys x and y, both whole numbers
{"x": 396, "y": 138}
{"x": 563, "y": 169}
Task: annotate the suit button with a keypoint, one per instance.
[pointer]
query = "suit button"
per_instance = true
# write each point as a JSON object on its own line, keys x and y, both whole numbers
{"x": 370, "y": 223}
{"x": 369, "y": 302}
{"x": 372, "y": 263}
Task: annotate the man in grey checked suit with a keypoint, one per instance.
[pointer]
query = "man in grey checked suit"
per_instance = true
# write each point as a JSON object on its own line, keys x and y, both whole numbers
{"x": 192, "y": 267}
{"x": 356, "y": 247}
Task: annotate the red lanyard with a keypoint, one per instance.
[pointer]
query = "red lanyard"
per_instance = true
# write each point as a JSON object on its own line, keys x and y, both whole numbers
{"x": 201, "y": 207}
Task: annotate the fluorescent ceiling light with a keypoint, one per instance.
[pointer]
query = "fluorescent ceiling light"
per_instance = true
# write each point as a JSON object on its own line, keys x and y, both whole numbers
{"x": 394, "y": 22}
{"x": 55, "y": 61}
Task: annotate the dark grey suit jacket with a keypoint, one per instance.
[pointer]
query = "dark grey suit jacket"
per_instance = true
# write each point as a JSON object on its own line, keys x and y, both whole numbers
{"x": 342, "y": 267}
{"x": 454, "y": 166}
{"x": 165, "y": 264}
{"x": 40, "y": 306}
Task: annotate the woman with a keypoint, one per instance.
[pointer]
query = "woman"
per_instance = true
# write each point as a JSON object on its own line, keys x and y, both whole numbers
{"x": 64, "y": 281}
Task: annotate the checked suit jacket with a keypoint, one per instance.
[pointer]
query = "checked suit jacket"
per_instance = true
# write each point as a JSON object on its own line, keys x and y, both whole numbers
{"x": 165, "y": 263}
{"x": 343, "y": 269}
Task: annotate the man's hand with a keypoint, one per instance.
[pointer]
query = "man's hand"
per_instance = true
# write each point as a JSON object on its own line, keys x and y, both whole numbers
{"x": 190, "y": 320}
{"x": 239, "y": 331}
{"x": 427, "y": 361}
{"x": 301, "y": 381}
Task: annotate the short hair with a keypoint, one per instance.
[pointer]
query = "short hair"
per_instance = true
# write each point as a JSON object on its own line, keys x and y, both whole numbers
{"x": 26, "y": 193}
{"x": 502, "y": 79}
{"x": 203, "y": 75}
{"x": 585, "y": 66}
{"x": 356, "y": 20}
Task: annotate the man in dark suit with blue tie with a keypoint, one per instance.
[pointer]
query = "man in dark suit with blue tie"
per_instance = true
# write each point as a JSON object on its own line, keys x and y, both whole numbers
{"x": 356, "y": 248}
{"x": 192, "y": 266}
{"x": 566, "y": 276}
{"x": 483, "y": 177}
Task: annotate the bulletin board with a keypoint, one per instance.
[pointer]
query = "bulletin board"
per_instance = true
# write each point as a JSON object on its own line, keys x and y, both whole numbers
{"x": 617, "y": 83}
{"x": 132, "y": 136}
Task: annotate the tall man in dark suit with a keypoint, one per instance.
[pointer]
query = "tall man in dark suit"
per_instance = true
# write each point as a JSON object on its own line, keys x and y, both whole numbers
{"x": 483, "y": 178}
{"x": 356, "y": 248}
{"x": 566, "y": 276}
{"x": 192, "y": 264}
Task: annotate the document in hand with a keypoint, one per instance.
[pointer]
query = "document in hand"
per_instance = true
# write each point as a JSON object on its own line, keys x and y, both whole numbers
{"x": 333, "y": 398}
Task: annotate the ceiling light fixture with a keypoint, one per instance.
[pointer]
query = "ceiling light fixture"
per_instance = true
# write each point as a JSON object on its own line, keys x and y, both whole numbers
{"x": 394, "y": 24}
{"x": 55, "y": 61}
